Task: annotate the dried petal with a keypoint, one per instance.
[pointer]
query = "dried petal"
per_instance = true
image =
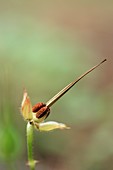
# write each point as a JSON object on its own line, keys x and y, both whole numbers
{"x": 51, "y": 125}
{"x": 26, "y": 107}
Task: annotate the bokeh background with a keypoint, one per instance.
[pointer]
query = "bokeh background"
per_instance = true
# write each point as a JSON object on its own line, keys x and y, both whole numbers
{"x": 44, "y": 45}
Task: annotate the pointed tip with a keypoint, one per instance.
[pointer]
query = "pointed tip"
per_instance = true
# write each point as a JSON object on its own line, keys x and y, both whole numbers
{"x": 24, "y": 90}
{"x": 104, "y": 60}
{"x": 63, "y": 126}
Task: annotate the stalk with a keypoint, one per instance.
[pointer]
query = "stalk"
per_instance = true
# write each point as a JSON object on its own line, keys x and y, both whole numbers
{"x": 31, "y": 161}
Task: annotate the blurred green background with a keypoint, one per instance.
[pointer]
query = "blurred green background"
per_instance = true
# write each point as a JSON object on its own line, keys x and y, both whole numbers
{"x": 44, "y": 45}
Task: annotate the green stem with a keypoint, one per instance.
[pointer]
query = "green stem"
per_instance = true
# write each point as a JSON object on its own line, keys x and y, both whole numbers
{"x": 31, "y": 161}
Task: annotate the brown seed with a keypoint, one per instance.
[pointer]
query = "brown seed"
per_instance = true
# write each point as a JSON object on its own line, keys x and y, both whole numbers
{"x": 42, "y": 112}
{"x": 37, "y": 107}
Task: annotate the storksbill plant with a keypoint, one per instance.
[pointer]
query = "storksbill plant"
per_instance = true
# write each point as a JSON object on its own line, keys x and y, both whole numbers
{"x": 36, "y": 115}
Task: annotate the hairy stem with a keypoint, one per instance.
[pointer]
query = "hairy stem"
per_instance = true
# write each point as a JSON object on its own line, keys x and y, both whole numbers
{"x": 31, "y": 161}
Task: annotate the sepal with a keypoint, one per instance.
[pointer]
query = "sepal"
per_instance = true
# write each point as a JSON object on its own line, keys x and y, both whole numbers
{"x": 50, "y": 125}
{"x": 26, "y": 107}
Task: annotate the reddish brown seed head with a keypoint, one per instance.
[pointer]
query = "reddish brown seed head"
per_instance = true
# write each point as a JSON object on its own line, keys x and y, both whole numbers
{"x": 41, "y": 110}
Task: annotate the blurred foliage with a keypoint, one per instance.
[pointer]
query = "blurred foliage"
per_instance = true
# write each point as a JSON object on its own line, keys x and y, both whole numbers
{"x": 43, "y": 47}
{"x": 9, "y": 143}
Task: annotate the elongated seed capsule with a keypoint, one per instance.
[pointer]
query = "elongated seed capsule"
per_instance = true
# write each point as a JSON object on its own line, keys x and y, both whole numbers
{"x": 70, "y": 85}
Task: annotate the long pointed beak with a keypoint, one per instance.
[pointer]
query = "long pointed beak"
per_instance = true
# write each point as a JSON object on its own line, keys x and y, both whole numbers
{"x": 70, "y": 85}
